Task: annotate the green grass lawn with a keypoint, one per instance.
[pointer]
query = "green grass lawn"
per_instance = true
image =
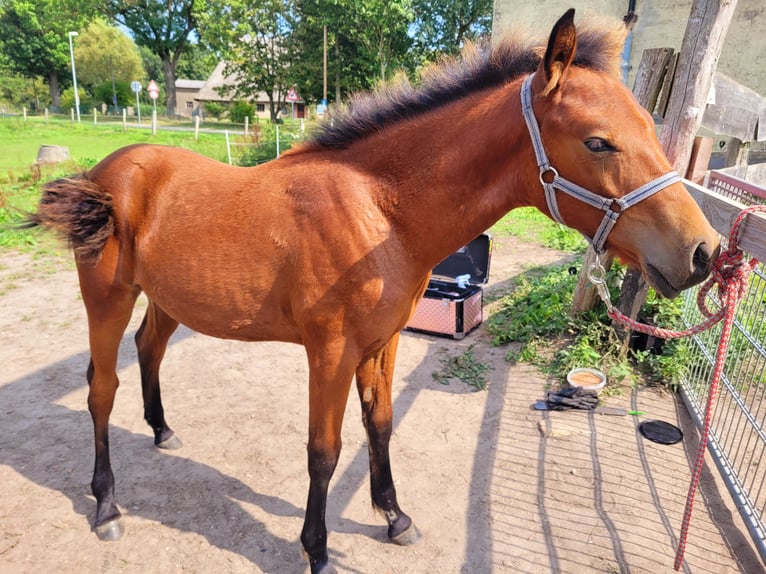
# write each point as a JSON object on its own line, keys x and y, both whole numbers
{"x": 20, "y": 141}
{"x": 20, "y": 178}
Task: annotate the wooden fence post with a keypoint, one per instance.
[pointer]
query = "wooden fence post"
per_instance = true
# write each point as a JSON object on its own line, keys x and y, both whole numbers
{"x": 701, "y": 47}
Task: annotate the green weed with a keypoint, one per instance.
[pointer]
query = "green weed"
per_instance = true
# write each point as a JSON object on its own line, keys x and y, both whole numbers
{"x": 464, "y": 367}
{"x": 536, "y": 316}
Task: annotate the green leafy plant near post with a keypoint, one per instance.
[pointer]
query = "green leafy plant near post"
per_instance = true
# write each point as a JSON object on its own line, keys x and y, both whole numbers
{"x": 536, "y": 315}
{"x": 266, "y": 150}
{"x": 241, "y": 110}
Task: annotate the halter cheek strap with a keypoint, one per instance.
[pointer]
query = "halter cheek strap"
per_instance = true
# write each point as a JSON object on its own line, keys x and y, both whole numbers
{"x": 612, "y": 207}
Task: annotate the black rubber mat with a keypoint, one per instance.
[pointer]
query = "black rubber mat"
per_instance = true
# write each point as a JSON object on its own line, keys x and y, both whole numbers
{"x": 660, "y": 432}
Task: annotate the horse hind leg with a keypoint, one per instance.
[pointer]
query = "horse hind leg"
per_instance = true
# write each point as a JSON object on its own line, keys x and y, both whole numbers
{"x": 152, "y": 341}
{"x": 373, "y": 379}
{"x": 109, "y": 310}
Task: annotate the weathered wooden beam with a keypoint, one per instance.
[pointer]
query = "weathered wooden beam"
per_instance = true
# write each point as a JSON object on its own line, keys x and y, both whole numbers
{"x": 700, "y": 49}
{"x": 737, "y": 155}
{"x": 667, "y": 86}
{"x": 651, "y": 75}
{"x": 735, "y": 110}
{"x": 700, "y": 160}
{"x": 727, "y": 120}
{"x": 722, "y": 212}
{"x": 585, "y": 295}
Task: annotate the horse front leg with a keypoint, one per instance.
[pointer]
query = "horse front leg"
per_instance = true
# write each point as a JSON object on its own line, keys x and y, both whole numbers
{"x": 330, "y": 375}
{"x": 373, "y": 380}
{"x": 152, "y": 341}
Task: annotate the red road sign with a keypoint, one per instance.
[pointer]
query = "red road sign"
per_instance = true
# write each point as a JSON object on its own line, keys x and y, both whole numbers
{"x": 153, "y": 89}
{"x": 292, "y": 95}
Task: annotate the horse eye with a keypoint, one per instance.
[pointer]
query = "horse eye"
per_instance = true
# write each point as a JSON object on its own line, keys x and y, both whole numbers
{"x": 598, "y": 145}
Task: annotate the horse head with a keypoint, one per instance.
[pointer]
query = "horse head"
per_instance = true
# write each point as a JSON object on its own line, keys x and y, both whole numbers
{"x": 604, "y": 172}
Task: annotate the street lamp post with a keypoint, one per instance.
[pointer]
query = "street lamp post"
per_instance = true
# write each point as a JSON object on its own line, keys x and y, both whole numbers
{"x": 74, "y": 77}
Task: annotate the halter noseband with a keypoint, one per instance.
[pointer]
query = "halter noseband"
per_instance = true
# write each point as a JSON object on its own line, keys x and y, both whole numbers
{"x": 558, "y": 182}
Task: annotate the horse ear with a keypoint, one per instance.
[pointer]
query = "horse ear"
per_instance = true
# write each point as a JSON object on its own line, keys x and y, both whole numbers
{"x": 560, "y": 51}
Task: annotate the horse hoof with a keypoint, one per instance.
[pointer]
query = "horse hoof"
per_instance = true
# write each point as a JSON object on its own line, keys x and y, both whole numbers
{"x": 410, "y": 536}
{"x": 110, "y": 531}
{"x": 323, "y": 567}
{"x": 170, "y": 443}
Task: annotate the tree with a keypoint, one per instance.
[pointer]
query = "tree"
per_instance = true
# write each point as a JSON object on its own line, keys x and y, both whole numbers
{"x": 354, "y": 41}
{"x": 105, "y": 53}
{"x": 196, "y": 63}
{"x": 261, "y": 57}
{"x": 443, "y": 26}
{"x": 273, "y": 45}
{"x": 13, "y": 87}
{"x": 117, "y": 93}
{"x": 163, "y": 26}
{"x": 34, "y": 37}
{"x": 381, "y": 27}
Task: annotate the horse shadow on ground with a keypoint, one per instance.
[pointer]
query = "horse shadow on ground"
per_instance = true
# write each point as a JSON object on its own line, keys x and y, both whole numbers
{"x": 55, "y": 445}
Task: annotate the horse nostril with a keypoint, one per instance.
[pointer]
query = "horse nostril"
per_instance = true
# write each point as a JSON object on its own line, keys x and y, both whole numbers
{"x": 703, "y": 258}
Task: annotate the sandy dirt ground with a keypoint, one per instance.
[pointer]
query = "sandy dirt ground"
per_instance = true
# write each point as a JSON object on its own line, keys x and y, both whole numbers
{"x": 492, "y": 485}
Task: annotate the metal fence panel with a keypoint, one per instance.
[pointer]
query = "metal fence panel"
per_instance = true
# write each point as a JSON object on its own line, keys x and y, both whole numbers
{"x": 738, "y": 425}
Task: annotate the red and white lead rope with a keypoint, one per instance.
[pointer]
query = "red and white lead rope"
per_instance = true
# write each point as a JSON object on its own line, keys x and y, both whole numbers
{"x": 731, "y": 273}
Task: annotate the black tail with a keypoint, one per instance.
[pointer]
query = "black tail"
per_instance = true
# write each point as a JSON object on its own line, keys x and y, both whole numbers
{"x": 79, "y": 211}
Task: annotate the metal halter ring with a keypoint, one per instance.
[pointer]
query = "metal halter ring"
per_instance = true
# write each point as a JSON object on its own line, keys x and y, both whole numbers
{"x": 549, "y": 169}
{"x": 597, "y": 273}
{"x": 597, "y": 276}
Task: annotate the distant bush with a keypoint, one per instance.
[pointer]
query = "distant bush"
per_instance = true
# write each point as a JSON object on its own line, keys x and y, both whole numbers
{"x": 215, "y": 109}
{"x": 241, "y": 110}
{"x": 67, "y": 100}
{"x": 103, "y": 93}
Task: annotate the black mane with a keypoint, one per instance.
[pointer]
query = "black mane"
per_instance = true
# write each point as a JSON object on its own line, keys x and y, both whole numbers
{"x": 480, "y": 66}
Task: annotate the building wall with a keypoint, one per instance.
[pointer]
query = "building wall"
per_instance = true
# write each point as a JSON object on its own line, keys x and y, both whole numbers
{"x": 661, "y": 24}
{"x": 185, "y": 104}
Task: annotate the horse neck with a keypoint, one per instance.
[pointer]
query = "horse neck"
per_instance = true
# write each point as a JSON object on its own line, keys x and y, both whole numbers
{"x": 452, "y": 173}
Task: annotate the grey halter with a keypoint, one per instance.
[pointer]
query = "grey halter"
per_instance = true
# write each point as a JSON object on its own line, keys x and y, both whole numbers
{"x": 558, "y": 182}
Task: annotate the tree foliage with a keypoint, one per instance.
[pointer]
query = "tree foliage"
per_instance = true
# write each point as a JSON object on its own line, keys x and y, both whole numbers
{"x": 269, "y": 45}
{"x": 106, "y": 92}
{"x": 381, "y": 27}
{"x": 348, "y": 66}
{"x": 262, "y": 53}
{"x": 12, "y": 85}
{"x": 443, "y": 26}
{"x": 34, "y": 36}
{"x": 104, "y": 53}
{"x": 163, "y": 26}
{"x": 366, "y": 40}
{"x": 196, "y": 63}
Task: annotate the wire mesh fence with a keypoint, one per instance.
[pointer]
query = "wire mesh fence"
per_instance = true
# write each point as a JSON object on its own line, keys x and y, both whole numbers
{"x": 738, "y": 424}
